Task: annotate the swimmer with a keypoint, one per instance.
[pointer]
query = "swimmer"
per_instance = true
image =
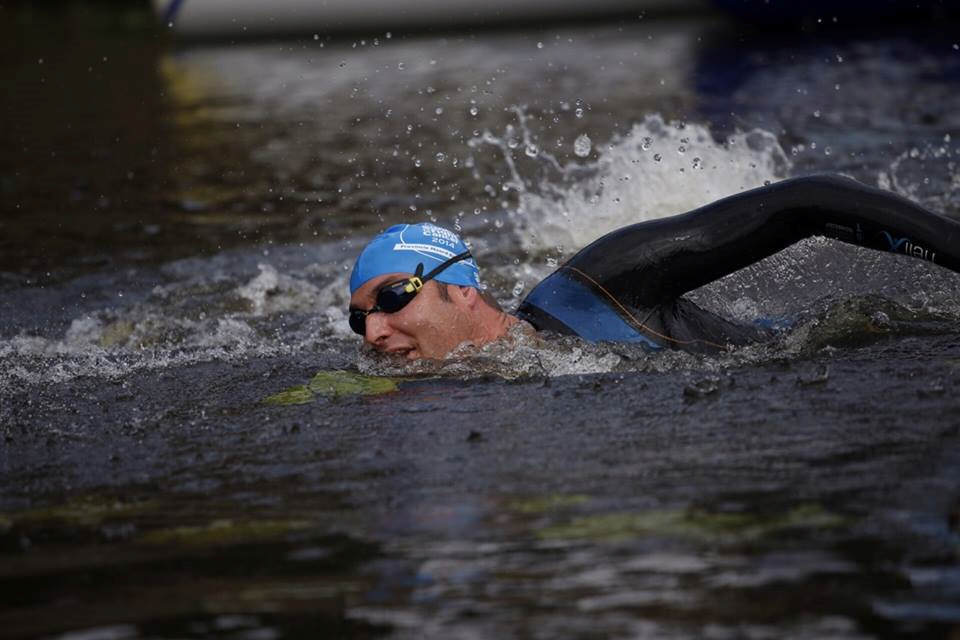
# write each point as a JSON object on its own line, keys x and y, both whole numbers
{"x": 415, "y": 289}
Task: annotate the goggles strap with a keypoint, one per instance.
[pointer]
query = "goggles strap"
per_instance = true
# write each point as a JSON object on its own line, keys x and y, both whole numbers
{"x": 441, "y": 267}
{"x": 415, "y": 283}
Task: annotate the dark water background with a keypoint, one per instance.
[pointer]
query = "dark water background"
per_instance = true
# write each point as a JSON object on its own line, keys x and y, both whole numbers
{"x": 175, "y": 231}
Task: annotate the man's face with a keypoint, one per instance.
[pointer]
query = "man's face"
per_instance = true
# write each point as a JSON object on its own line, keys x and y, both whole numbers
{"x": 428, "y": 327}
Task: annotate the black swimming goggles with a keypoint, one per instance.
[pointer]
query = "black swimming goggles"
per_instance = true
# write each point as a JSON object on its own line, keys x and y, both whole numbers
{"x": 396, "y": 295}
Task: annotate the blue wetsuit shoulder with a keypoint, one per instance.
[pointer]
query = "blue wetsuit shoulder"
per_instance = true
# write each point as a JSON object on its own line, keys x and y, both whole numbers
{"x": 563, "y": 304}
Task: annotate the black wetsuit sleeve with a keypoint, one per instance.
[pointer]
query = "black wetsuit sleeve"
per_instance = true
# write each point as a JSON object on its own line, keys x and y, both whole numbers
{"x": 652, "y": 262}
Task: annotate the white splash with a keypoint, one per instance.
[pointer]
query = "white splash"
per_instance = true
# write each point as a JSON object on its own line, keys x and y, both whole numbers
{"x": 657, "y": 169}
{"x": 273, "y": 292}
{"x": 928, "y": 175}
{"x": 271, "y": 314}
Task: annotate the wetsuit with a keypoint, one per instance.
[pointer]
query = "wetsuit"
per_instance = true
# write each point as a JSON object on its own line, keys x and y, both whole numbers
{"x": 627, "y": 286}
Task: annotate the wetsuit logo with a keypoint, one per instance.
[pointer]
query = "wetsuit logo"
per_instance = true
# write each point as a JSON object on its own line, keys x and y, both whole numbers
{"x": 910, "y": 248}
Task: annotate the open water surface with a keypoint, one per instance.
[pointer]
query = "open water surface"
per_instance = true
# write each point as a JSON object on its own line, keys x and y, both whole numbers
{"x": 194, "y": 445}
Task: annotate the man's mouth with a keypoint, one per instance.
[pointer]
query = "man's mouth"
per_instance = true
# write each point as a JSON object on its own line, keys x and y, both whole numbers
{"x": 409, "y": 353}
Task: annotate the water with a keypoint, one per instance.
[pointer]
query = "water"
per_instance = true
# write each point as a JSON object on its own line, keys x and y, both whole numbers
{"x": 173, "y": 278}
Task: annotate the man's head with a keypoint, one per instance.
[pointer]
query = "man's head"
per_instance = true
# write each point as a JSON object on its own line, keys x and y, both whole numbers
{"x": 415, "y": 291}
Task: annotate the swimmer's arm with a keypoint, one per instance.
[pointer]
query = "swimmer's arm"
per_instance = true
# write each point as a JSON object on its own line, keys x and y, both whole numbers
{"x": 651, "y": 262}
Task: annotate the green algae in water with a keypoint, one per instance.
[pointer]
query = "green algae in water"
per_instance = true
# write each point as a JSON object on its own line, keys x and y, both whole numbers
{"x": 224, "y": 532}
{"x": 544, "y": 504}
{"x": 84, "y": 511}
{"x": 334, "y": 384}
{"x": 300, "y": 394}
{"x": 696, "y": 525}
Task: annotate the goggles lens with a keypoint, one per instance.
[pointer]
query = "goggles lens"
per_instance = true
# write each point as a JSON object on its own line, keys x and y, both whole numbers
{"x": 390, "y": 299}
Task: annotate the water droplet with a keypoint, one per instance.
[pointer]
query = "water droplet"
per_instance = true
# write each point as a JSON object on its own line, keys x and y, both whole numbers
{"x": 839, "y": 58}
{"x": 827, "y": 151}
{"x": 582, "y": 145}
{"x": 645, "y": 144}
{"x": 956, "y": 47}
{"x": 816, "y": 113}
{"x": 316, "y": 36}
{"x": 657, "y": 157}
{"x": 170, "y": 25}
{"x": 438, "y": 110}
{"x": 416, "y": 162}
{"x": 388, "y": 35}
{"x": 539, "y": 45}
{"x": 474, "y": 111}
{"x": 531, "y": 150}
{"x": 518, "y": 288}
{"x": 400, "y": 66}
{"x": 440, "y": 157}
{"x": 697, "y": 163}
{"x": 578, "y": 112}
{"x": 681, "y": 149}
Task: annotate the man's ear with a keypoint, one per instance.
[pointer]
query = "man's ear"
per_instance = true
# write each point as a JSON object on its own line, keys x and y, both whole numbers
{"x": 466, "y": 296}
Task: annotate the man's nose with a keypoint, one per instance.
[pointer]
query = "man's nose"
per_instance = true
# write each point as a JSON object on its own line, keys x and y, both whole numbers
{"x": 378, "y": 329}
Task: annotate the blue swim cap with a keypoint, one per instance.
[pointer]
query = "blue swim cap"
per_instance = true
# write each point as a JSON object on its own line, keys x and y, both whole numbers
{"x": 402, "y": 247}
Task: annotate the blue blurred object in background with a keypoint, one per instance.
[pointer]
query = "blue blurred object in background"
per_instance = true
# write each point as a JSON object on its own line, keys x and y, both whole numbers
{"x": 849, "y": 14}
